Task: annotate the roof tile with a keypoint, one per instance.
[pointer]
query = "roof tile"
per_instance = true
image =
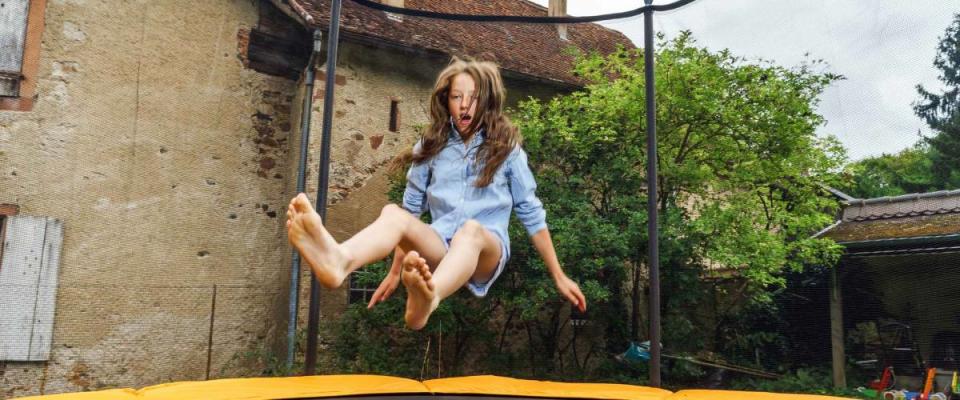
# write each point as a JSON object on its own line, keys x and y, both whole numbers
{"x": 529, "y": 49}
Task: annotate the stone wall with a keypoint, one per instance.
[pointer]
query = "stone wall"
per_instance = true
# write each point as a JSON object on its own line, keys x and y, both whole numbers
{"x": 165, "y": 160}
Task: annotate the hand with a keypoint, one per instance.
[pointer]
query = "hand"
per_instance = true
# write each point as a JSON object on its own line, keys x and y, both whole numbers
{"x": 386, "y": 288}
{"x": 571, "y": 291}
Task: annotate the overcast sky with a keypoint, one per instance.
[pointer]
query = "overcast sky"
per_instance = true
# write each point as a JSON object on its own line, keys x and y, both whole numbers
{"x": 884, "y": 48}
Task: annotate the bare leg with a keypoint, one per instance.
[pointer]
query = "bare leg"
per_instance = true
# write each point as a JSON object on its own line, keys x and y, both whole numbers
{"x": 474, "y": 253}
{"x": 395, "y": 227}
{"x": 332, "y": 262}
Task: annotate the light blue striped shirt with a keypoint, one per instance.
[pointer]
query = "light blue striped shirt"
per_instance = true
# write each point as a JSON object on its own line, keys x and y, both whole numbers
{"x": 445, "y": 185}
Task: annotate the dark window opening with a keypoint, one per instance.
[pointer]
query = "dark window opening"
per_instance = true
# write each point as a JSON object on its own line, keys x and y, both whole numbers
{"x": 359, "y": 293}
{"x": 394, "y": 115}
{"x": 6, "y": 210}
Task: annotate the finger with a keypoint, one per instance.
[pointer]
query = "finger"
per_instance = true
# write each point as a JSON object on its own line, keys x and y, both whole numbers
{"x": 374, "y": 299}
{"x": 572, "y": 298}
{"x": 583, "y": 301}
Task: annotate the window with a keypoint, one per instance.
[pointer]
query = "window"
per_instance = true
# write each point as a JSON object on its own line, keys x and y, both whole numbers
{"x": 12, "y": 34}
{"x": 29, "y": 267}
{"x": 394, "y": 115}
{"x": 21, "y": 23}
{"x": 358, "y": 292}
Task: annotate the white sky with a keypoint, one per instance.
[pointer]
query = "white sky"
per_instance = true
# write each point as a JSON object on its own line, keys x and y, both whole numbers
{"x": 884, "y": 48}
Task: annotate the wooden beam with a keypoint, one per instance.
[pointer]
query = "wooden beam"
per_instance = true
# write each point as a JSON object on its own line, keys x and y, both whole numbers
{"x": 836, "y": 330}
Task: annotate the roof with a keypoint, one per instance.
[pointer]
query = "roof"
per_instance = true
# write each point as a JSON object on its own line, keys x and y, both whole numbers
{"x": 927, "y": 216}
{"x": 374, "y": 387}
{"x": 534, "y": 50}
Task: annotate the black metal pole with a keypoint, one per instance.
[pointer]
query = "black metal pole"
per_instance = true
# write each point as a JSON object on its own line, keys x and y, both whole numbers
{"x": 333, "y": 38}
{"x": 653, "y": 248}
{"x": 294, "y": 301}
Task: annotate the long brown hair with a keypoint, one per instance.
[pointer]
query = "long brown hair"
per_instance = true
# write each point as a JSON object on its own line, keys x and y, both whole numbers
{"x": 501, "y": 135}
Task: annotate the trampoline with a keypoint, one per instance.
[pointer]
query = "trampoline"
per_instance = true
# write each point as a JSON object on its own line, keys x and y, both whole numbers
{"x": 376, "y": 387}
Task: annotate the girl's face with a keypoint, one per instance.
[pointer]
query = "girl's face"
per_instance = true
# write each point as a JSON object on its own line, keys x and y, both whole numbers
{"x": 462, "y": 101}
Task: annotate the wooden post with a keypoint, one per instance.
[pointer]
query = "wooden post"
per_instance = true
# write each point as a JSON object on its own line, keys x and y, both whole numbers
{"x": 836, "y": 330}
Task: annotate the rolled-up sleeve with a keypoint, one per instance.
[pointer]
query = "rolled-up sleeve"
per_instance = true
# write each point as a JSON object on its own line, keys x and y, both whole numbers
{"x": 415, "y": 195}
{"x": 523, "y": 188}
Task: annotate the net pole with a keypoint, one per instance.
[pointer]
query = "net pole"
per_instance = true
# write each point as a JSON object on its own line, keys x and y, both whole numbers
{"x": 294, "y": 295}
{"x": 653, "y": 245}
{"x": 313, "y": 319}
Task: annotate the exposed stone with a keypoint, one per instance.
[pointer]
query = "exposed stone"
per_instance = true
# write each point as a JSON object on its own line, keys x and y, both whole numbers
{"x": 267, "y": 163}
{"x": 72, "y": 32}
{"x": 376, "y": 141}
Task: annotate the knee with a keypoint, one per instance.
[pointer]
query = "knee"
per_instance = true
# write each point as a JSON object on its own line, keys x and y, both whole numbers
{"x": 392, "y": 210}
{"x": 396, "y": 215}
{"x": 471, "y": 230}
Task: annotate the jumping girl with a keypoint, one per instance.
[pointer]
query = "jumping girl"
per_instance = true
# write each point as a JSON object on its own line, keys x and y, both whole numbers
{"x": 469, "y": 172}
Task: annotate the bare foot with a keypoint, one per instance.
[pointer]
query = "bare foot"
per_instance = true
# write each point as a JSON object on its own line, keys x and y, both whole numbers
{"x": 421, "y": 298}
{"x": 306, "y": 233}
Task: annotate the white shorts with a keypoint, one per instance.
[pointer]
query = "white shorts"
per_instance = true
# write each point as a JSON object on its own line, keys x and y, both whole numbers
{"x": 479, "y": 289}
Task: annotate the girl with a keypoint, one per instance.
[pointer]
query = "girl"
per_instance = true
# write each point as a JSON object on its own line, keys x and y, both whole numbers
{"x": 469, "y": 171}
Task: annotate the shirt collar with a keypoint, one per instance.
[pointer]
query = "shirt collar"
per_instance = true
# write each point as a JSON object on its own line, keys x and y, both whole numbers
{"x": 455, "y": 134}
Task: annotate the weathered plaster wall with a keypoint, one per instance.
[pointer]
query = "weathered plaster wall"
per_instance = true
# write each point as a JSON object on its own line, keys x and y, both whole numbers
{"x": 165, "y": 159}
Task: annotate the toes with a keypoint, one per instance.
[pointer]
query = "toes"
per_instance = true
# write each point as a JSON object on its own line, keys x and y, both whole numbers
{"x": 425, "y": 270}
{"x": 410, "y": 260}
{"x": 302, "y": 204}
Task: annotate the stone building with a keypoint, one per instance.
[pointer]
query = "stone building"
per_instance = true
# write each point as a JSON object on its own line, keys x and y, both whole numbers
{"x": 148, "y": 151}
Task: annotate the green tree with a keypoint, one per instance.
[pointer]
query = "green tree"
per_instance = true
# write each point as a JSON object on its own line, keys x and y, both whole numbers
{"x": 942, "y": 110}
{"x": 909, "y": 171}
{"x": 739, "y": 182}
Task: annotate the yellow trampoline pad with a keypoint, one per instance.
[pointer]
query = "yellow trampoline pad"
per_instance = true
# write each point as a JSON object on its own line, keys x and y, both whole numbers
{"x": 258, "y": 389}
{"x": 382, "y": 387}
{"x": 490, "y": 385}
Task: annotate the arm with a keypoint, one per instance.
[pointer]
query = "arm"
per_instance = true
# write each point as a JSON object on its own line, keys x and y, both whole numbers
{"x": 566, "y": 286}
{"x": 530, "y": 211}
{"x": 415, "y": 194}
